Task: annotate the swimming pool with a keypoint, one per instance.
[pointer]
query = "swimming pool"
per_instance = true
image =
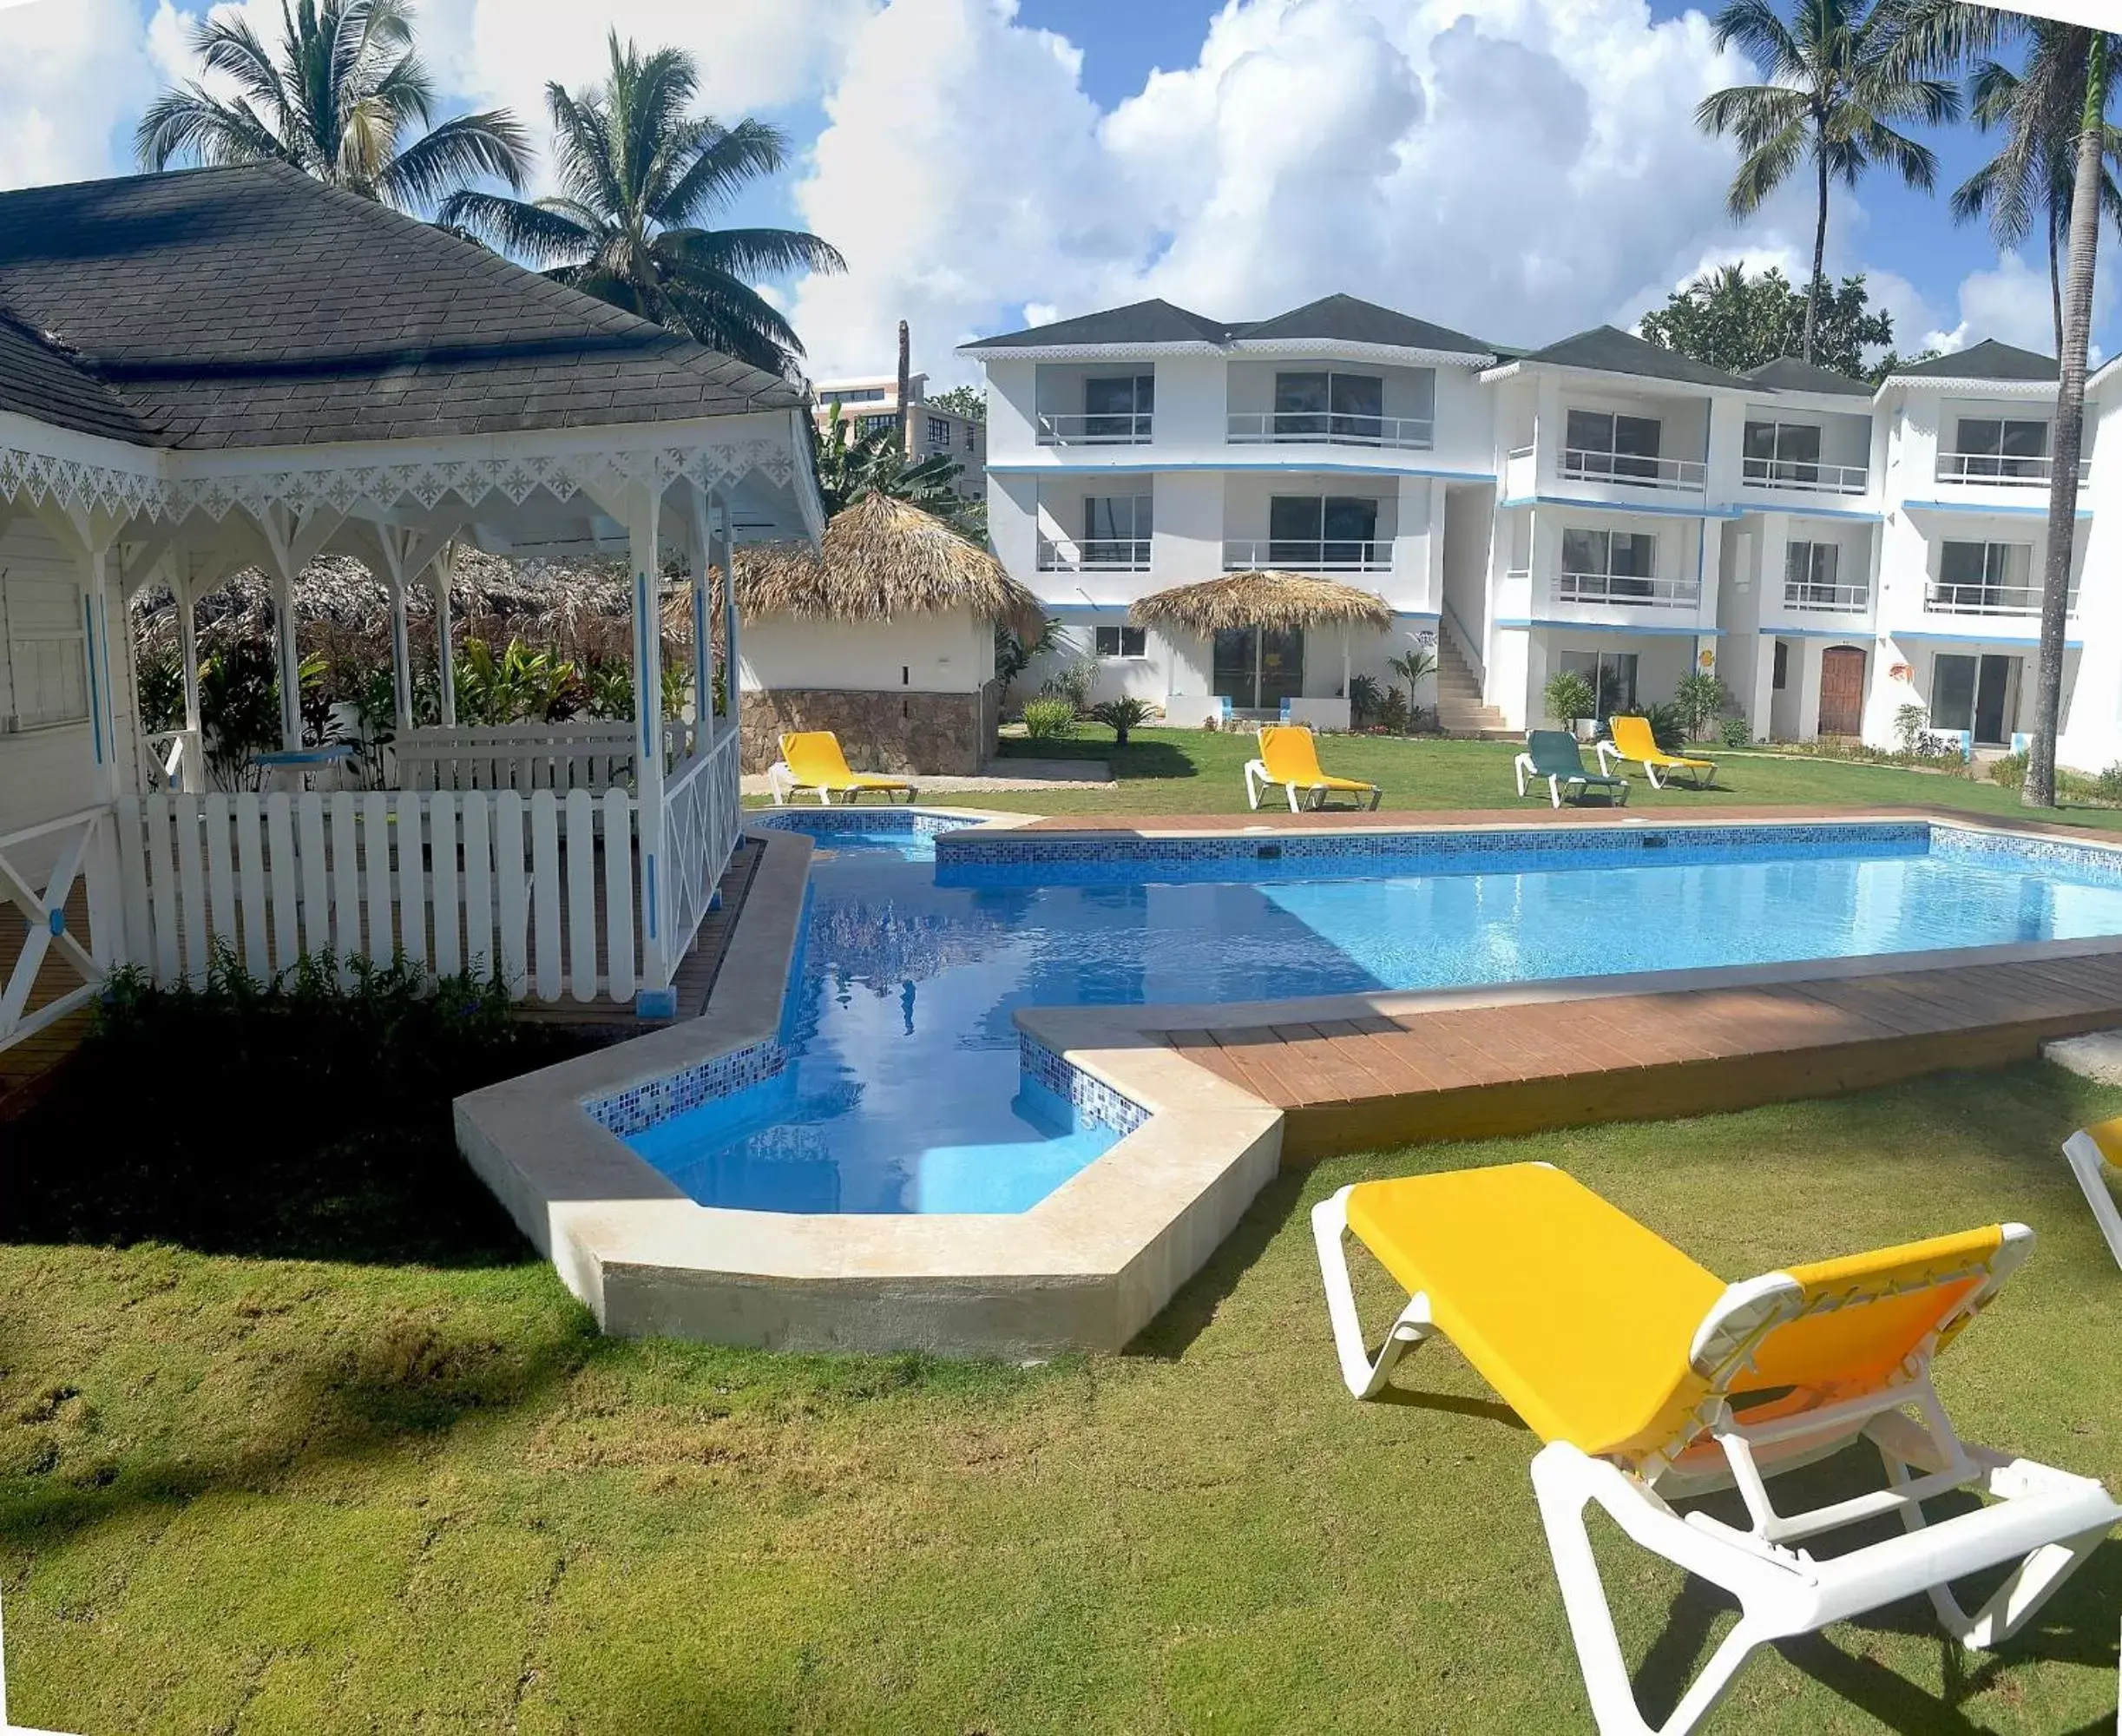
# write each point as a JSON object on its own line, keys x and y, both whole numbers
{"x": 898, "y": 1082}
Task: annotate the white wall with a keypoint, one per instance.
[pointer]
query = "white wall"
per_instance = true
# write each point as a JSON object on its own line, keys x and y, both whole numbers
{"x": 46, "y": 769}
{"x": 951, "y": 653}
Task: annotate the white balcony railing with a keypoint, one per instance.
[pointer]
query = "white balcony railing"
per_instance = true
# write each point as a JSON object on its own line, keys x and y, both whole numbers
{"x": 1627, "y": 470}
{"x": 1330, "y": 554}
{"x": 1127, "y": 428}
{"x": 1944, "y": 598}
{"x": 1785, "y": 473}
{"x": 1628, "y": 591}
{"x": 1093, "y": 555}
{"x": 1329, "y": 428}
{"x": 1987, "y": 469}
{"x": 1819, "y": 599}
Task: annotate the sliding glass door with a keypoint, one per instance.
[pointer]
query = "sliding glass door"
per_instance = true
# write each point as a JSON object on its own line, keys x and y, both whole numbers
{"x": 1258, "y": 667}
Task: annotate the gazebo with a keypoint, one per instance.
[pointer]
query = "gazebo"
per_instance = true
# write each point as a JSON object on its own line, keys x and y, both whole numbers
{"x": 206, "y": 372}
{"x": 884, "y": 634}
{"x": 1263, "y": 603}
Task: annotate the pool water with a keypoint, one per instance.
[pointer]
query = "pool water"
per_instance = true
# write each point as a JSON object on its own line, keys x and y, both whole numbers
{"x": 903, "y": 1090}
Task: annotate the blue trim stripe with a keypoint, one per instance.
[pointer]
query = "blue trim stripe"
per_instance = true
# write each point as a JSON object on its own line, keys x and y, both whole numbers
{"x": 2029, "y": 643}
{"x": 1642, "y": 509}
{"x": 1985, "y": 511}
{"x": 645, "y": 706}
{"x": 95, "y": 686}
{"x": 648, "y": 916}
{"x": 1625, "y": 629}
{"x": 1278, "y": 466}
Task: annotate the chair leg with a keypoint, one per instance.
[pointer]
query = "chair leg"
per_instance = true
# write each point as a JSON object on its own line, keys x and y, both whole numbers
{"x": 1376, "y": 796}
{"x": 2086, "y": 1164}
{"x": 1554, "y": 791}
{"x": 1652, "y": 772}
{"x": 1364, "y": 1374}
{"x": 1294, "y": 805}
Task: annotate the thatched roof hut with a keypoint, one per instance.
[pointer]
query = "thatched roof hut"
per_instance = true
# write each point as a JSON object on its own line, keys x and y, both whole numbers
{"x": 882, "y": 558}
{"x": 1272, "y": 599}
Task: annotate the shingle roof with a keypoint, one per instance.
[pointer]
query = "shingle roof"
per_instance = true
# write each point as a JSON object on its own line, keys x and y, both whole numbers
{"x": 37, "y": 378}
{"x": 1349, "y": 320}
{"x": 255, "y": 306}
{"x": 1607, "y": 350}
{"x": 1154, "y": 321}
{"x": 1988, "y": 360}
{"x": 1788, "y": 373}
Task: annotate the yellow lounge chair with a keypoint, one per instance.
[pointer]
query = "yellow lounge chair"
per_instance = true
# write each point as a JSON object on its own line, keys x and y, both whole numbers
{"x": 1631, "y": 740}
{"x": 1289, "y": 757}
{"x": 810, "y": 759}
{"x": 1651, "y": 1379}
{"x": 2095, "y": 1156}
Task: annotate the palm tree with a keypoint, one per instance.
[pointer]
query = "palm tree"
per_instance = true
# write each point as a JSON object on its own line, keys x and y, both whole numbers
{"x": 1832, "y": 95}
{"x": 2069, "y": 81}
{"x": 2033, "y": 175}
{"x": 337, "y": 102}
{"x": 636, "y": 174}
{"x": 852, "y": 464}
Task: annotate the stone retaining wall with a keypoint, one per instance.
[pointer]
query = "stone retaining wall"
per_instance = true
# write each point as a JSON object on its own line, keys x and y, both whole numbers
{"x": 892, "y": 730}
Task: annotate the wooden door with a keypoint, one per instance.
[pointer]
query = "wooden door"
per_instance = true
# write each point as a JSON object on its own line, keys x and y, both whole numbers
{"x": 1841, "y": 691}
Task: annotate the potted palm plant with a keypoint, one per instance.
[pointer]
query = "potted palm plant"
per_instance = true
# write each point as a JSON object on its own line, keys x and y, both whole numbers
{"x": 1570, "y": 699}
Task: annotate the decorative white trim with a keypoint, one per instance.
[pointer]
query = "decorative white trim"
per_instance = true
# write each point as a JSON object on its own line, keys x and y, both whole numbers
{"x": 1973, "y": 388}
{"x": 1092, "y": 352}
{"x": 1400, "y": 355}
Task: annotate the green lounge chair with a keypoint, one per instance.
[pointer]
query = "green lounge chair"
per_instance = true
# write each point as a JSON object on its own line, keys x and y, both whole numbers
{"x": 1553, "y": 754}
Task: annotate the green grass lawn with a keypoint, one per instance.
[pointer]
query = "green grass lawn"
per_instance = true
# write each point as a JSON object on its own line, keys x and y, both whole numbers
{"x": 261, "y": 1490}
{"x": 1191, "y": 771}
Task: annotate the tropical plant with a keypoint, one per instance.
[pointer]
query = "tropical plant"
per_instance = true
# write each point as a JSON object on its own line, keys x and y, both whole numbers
{"x": 1834, "y": 86}
{"x": 239, "y": 711}
{"x": 850, "y": 464}
{"x": 2070, "y": 80}
{"x": 1050, "y": 720}
{"x": 2033, "y": 175}
{"x": 1120, "y": 716}
{"x": 1910, "y": 723}
{"x": 1569, "y": 696}
{"x": 1414, "y": 667}
{"x": 1014, "y": 653}
{"x": 608, "y": 688}
{"x": 637, "y": 176}
{"x": 1363, "y": 700}
{"x": 1392, "y": 713}
{"x": 1701, "y": 698}
{"x": 520, "y": 684}
{"x": 342, "y": 98}
{"x": 1735, "y": 322}
{"x": 1668, "y": 726}
{"x": 969, "y": 401}
{"x": 1737, "y": 732}
{"x": 1073, "y": 682}
{"x": 160, "y": 678}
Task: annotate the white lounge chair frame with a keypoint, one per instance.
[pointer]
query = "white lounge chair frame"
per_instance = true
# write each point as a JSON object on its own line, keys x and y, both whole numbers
{"x": 2089, "y": 1164}
{"x": 1523, "y": 766}
{"x": 1258, "y": 783}
{"x": 1610, "y": 756}
{"x": 782, "y": 785}
{"x": 2050, "y": 1519}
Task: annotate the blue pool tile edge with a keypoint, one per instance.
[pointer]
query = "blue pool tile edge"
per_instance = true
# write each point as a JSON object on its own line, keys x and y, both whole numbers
{"x": 1093, "y": 1100}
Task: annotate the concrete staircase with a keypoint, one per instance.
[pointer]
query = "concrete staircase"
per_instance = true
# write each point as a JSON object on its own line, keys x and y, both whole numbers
{"x": 1459, "y": 710}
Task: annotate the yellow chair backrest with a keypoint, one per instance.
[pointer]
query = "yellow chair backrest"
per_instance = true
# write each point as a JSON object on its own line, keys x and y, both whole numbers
{"x": 1289, "y": 754}
{"x": 2107, "y": 1135}
{"x": 1632, "y": 739}
{"x": 1839, "y": 1327}
{"x": 814, "y": 757}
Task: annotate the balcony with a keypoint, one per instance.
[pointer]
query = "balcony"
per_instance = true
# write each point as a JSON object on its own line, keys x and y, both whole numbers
{"x": 1987, "y": 469}
{"x": 1818, "y": 599}
{"x": 1331, "y": 555}
{"x": 1126, "y": 428}
{"x": 1628, "y": 591}
{"x": 1093, "y": 555}
{"x": 1808, "y": 478}
{"x": 2007, "y": 599}
{"x": 1628, "y": 469}
{"x": 1321, "y": 427}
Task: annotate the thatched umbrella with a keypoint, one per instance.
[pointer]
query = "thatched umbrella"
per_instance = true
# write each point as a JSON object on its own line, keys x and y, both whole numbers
{"x": 881, "y": 558}
{"x": 1280, "y": 602}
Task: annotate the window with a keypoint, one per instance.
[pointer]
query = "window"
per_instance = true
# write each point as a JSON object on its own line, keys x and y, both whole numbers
{"x": 1809, "y": 570}
{"x": 1321, "y": 531}
{"x": 1329, "y": 406}
{"x": 1609, "y": 566}
{"x": 971, "y": 441}
{"x": 45, "y": 650}
{"x": 1782, "y": 452}
{"x": 1979, "y": 694}
{"x": 868, "y": 394}
{"x": 1116, "y": 530}
{"x": 1612, "y": 676}
{"x": 1122, "y": 641}
{"x": 1782, "y": 666}
{"x": 867, "y": 426}
{"x": 1993, "y": 447}
{"x": 939, "y": 433}
{"x": 1119, "y": 408}
{"x": 1985, "y": 577}
{"x": 1620, "y": 448}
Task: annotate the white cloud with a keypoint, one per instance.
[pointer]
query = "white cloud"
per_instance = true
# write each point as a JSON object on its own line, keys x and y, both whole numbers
{"x": 74, "y": 75}
{"x": 1519, "y": 169}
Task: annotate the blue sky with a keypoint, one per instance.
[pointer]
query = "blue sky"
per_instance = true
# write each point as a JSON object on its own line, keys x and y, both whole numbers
{"x": 1517, "y": 167}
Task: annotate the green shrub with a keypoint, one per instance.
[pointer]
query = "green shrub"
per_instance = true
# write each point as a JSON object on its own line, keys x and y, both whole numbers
{"x": 2010, "y": 771}
{"x": 1392, "y": 711}
{"x": 1701, "y": 698}
{"x": 1119, "y": 716}
{"x": 1668, "y": 726}
{"x": 1737, "y": 732}
{"x": 1072, "y": 682}
{"x": 1363, "y": 701}
{"x": 1050, "y": 720}
{"x": 1911, "y": 722}
{"x": 2109, "y": 784}
{"x": 1569, "y": 696}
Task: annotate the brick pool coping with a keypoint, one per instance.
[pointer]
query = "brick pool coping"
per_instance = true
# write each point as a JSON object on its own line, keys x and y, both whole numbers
{"x": 1231, "y": 1091}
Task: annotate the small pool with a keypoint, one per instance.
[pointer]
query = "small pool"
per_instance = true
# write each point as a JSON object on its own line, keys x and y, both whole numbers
{"x": 899, "y": 1082}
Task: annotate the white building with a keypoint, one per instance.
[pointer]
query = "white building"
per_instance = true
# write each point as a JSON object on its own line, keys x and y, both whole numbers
{"x": 1602, "y": 505}
{"x": 870, "y": 402}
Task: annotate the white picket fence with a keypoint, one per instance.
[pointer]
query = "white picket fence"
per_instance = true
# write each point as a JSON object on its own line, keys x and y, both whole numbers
{"x": 40, "y": 868}
{"x": 702, "y": 813}
{"x": 525, "y": 757}
{"x": 537, "y": 888}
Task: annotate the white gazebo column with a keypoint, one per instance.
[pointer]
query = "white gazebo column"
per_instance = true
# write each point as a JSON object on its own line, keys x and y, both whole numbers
{"x": 439, "y": 576}
{"x": 703, "y": 640}
{"x": 656, "y": 998}
{"x": 187, "y": 656}
{"x": 401, "y": 663}
{"x": 289, "y": 658}
{"x": 732, "y": 687}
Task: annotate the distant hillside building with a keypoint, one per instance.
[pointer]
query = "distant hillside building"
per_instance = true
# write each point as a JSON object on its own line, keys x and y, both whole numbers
{"x": 870, "y": 402}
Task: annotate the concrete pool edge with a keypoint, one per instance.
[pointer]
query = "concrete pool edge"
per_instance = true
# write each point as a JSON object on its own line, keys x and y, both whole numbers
{"x": 1086, "y": 1268}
